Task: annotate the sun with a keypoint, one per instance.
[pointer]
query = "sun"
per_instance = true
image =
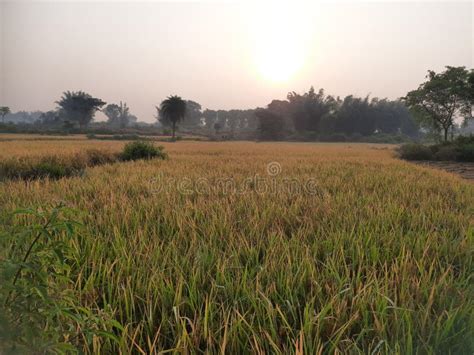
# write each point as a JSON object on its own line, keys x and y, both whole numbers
{"x": 277, "y": 63}
{"x": 279, "y": 42}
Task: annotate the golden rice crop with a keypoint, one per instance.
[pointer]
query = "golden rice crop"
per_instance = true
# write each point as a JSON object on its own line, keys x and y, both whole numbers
{"x": 191, "y": 254}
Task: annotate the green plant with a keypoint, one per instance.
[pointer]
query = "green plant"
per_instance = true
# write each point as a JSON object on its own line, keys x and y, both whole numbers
{"x": 142, "y": 150}
{"x": 447, "y": 153}
{"x": 466, "y": 152}
{"x": 96, "y": 157}
{"x": 460, "y": 149}
{"x": 39, "y": 311}
{"x": 33, "y": 275}
{"x": 415, "y": 151}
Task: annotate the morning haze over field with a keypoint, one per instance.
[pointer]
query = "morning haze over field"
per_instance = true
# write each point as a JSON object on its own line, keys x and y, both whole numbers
{"x": 224, "y": 55}
{"x": 236, "y": 178}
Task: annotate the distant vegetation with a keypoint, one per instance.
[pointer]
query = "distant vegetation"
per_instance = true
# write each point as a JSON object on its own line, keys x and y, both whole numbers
{"x": 443, "y": 98}
{"x": 460, "y": 149}
{"x": 429, "y": 112}
{"x": 4, "y": 110}
{"x": 171, "y": 112}
{"x": 142, "y": 150}
{"x": 317, "y": 116}
{"x": 78, "y": 107}
{"x": 119, "y": 115}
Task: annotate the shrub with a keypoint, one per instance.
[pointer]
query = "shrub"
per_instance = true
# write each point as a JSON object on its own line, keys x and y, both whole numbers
{"x": 466, "y": 152}
{"x": 464, "y": 140}
{"x": 446, "y": 152}
{"x": 414, "y": 151}
{"x": 142, "y": 150}
{"x": 99, "y": 157}
{"x": 39, "y": 312}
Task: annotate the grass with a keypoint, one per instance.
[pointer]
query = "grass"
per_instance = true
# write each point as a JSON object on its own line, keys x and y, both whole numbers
{"x": 380, "y": 260}
{"x": 59, "y": 166}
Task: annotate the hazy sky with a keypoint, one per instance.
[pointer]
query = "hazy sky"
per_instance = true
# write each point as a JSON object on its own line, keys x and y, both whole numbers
{"x": 223, "y": 55}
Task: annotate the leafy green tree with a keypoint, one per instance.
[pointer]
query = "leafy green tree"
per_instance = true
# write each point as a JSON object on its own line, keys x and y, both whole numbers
{"x": 271, "y": 126}
{"x": 118, "y": 115}
{"x": 112, "y": 113}
{"x": 50, "y": 118}
{"x": 4, "y": 110}
{"x": 193, "y": 113}
{"x": 217, "y": 127}
{"x": 355, "y": 115}
{"x": 79, "y": 107}
{"x": 210, "y": 117}
{"x": 173, "y": 110}
{"x": 308, "y": 109}
{"x": 393, "y": 117}
{"x": 191, "y": 119}
{"x": 442, "y": 98}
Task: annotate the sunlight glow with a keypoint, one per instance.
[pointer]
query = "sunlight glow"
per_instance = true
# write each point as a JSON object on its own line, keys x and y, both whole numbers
{"x": 280, "y": 42}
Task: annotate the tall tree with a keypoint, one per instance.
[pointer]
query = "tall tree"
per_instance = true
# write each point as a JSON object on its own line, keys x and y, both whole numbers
{"x": 124, "y": 115}
{"x": 4, "y": 110}
{"x": 356, "y": 115}
{"x": 173, "y": 109}
{"x": 443, "y": 97}
{"x": 50, "y": 118}
{"x": 193, "y": 113}
{"x": 271, "y": 126}
{"x": 112, "y": 113}
{"x": 118, "y": 115}
{"x": 210, "y": 117}
{"x": 308, "y": 109}
{"x": 79, "y": 107}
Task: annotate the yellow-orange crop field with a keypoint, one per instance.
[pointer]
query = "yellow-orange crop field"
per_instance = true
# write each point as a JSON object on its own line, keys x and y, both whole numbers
{"x": 245, "y": 247}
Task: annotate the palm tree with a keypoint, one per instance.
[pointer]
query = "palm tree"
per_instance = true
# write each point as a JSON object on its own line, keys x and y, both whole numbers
{"x": 173, "y": 109}
{"x": 4, "y": 110}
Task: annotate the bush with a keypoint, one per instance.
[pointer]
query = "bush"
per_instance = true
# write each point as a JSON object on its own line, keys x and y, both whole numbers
{"x": 39, "y": 312}
{"x": 466, "y": 152}
{"x": 446, "y": 152}
{"x": 142, "y": 150}
{"x": 464, "y": 140}
{"x": 414, "y": 151}
{"x": 460, "y": 149}
{"x": 99, "y": 157}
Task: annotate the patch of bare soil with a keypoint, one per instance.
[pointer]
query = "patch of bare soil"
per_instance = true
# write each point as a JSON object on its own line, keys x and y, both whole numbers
{"x": 465, "y": 170}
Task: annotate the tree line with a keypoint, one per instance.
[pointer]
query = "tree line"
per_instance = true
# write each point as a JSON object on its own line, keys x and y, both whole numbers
{"x": 324, "y": 116}
{"x": 434, "y": 107}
